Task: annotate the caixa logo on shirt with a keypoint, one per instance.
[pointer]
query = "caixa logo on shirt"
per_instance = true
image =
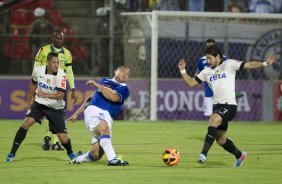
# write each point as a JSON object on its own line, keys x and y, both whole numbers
{"x": 217, "y": 76}
{"x": 45, "y": 86}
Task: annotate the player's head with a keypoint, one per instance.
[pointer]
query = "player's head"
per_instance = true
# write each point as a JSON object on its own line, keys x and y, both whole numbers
{"x": 209, "y": 41}
{"x": 214, "y": 55}
{"x": 58, "y": 38}
{"x": 121, "y": 73}
{"x": 52, "y": 62}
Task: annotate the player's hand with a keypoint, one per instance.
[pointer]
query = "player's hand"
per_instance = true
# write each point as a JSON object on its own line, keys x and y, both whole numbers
{"x": 72, "y": 118}
{"x": 181, "y": 64}
{"x": 41, "y": 93}
{"x": 27, "y": 106}
{"x": 272, "y": 59}
{"x": 108, "y": 89}
{"x": 92, "y": 83}
{"x": 73, "y": 96}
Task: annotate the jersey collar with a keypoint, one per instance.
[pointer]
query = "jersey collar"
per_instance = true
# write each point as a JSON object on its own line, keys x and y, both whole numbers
{"x": 46, "y": 72}
{"x": 54, "y": 50}
{"x": 223, "y": 59}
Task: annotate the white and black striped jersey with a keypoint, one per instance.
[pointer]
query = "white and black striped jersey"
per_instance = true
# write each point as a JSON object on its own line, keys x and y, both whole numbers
{"x": 222, "y": 80}
{"x": 49, "y": 84}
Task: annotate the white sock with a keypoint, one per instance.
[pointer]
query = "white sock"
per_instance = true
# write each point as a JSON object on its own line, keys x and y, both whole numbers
{"x": 85, "y": 157}
{"x": 106, "y": 144}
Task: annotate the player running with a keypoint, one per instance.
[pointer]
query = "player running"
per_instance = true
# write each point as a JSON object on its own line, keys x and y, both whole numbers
{"x": 65, "y": 63}
{"x": 221, "y": 78}
{"x": 48, "y": 86}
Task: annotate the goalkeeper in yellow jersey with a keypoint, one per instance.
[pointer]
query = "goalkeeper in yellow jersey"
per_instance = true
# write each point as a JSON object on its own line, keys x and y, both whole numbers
{"x": 65, "y": 62}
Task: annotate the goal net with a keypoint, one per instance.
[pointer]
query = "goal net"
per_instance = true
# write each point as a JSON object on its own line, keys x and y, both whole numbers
{"x": 155, "y": 41}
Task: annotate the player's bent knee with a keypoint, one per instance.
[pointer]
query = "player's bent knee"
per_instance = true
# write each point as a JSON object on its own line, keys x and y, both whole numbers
{"x": 220, "y": 141}
{"x": 28, "y": 122}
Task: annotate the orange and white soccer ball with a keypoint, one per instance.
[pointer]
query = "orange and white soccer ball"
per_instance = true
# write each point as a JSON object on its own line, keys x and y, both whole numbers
{"x": 171, "y": 157}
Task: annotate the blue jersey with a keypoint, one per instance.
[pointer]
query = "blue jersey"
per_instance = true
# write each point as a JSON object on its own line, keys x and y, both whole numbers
{"x": 203, "y": 63}
{"x": 100, "y": 101}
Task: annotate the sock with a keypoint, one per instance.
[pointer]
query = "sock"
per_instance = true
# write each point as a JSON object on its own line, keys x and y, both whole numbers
{"x": 68, "y": 146}
{"x": 87, "y": 157}
{"x": 46, "y": 125}
{"x": 106, "y": 144}
{"x": 231, "y": 148}
{"x": 55, "y": 138}
{"x": 210, "y": 137}
{"x": 19, "y": 137}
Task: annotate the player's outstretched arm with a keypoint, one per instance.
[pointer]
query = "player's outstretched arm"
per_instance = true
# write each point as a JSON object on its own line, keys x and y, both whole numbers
{"x": 257, "y": 64}
{"x": 74, "y": 116}
{"x": 188, "y": 80}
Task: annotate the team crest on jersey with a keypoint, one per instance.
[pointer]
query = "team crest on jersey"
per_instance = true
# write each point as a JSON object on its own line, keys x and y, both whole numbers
{"x": 62, "y": 62}
{"x": 268, "y": 43}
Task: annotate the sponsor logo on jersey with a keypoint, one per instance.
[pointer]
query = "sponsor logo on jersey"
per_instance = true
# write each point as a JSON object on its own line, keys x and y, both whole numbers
{"x": 45, "y": 86}
{"x": 64, "y": 81}
{"x": 217, "y": 76}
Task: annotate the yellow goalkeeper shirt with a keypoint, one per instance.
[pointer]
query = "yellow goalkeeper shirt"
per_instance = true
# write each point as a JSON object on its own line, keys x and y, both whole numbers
{"x": 65, "y": 60}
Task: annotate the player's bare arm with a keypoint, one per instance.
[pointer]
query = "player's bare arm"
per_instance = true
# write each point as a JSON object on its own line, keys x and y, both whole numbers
{"x": 188, "y": 80}
{"x": 57, "y": 96}
{"x": 74, "y": 116}
{"x": 257, "y": 64}
{"x": 108, "y": 93}
{"x": 30, "y": 95}
{"x": 73, "y": 96}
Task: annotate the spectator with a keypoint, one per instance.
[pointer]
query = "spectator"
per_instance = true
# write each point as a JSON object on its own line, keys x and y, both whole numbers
{"x": 214, "y": 6}
{"x": 196, "y": 5}
{"x": 265, "y": 6}
{"x": 171, "y": 5}
{"x": 41, "y": 28}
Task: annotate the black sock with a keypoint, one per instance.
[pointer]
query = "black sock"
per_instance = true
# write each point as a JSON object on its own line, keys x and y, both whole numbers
{"x": 68, "y": 147}
{"x": 231, "y": 148}
{"x": 210, "y": 137}
{"x": 19, "y": 137}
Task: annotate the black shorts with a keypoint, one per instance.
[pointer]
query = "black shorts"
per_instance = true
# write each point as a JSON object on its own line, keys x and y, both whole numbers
{"x": 56, "y": 117}
{"x": 226, "y": 112}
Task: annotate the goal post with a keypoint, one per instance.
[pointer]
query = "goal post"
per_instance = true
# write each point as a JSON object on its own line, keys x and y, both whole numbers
{"x": 167, "y": 36}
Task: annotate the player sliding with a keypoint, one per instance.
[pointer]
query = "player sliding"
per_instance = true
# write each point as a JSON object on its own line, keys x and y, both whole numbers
{"x": 98, "y": 115}
{"x": 221, "y": 78}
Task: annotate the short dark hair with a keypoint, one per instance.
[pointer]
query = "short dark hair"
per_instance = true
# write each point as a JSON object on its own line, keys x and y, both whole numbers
{"x": 213, "y": 50}
{"x": 51, "y": 55}
{"x": 56, "y": 31}
{"x": 210, "y": 40}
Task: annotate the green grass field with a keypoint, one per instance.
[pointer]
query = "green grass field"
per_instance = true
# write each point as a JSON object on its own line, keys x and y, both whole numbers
{"x": 142, "y": 144}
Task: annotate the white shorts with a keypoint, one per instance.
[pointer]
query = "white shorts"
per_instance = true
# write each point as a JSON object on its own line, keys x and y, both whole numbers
{"x": 208, "y": 106}
{"x": 92, "y": 117}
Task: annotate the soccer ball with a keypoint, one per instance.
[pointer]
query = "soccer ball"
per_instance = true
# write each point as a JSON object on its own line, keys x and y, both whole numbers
{"x": 171, "y": 157}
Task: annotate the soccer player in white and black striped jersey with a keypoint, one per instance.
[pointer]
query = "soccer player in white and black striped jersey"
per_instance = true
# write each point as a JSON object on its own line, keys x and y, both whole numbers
{"x": 220, "y": 76}
{"x": 48, "y": 85}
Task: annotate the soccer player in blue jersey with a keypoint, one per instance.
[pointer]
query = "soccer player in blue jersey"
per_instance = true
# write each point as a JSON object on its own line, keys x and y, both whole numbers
{"x": 202, "y": 64}
{"x": 101, "y": 108}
